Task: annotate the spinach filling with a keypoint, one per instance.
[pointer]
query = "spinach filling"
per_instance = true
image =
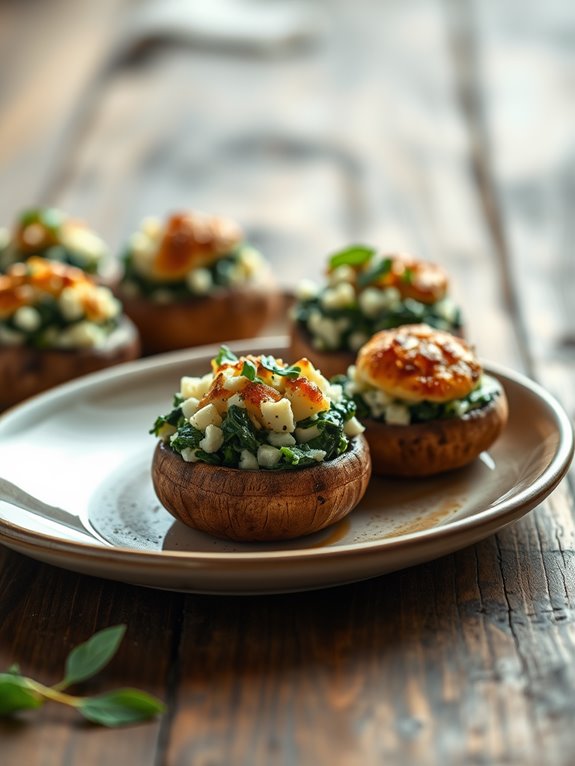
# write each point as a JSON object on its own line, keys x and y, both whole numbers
{"x": 51, "y": 221}
{"x": 221, "y": 273}
{"x": 405, "y": 311}
{"x": 422, "y": 412}
{"x": 240, "y": 434}
{"x": 51, "y": 321}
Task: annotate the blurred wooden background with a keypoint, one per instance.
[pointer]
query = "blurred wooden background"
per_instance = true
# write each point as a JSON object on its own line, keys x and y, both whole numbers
{"x": 443, "y": 126}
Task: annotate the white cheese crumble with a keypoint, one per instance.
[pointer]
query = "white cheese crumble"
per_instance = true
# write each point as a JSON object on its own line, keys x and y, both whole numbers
{"x": 199, "y": 281}
{"x": 353, "y": 427}
{"x": 339, "y": 297}
{"x": 278, "y": 416}
{"x": 195, "y": 387}
{"x": 248, "y": 461}
{"x": 306, "y": 290}
{"x": 304, "y": 435}
{"x": 27, "y": 318}
{"x": 190, "y": 455}
{"x": 190, "y": 407}
{"x": 205, "y": 417}
{"x": 268, "y": 456}
{"x": 213, "y": 439}
{"x": 281, "y": 440}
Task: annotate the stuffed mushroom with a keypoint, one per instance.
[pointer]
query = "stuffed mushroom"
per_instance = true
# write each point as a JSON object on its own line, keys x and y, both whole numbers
{"x": 260, "y": 450}
{"x": 56, "y": 324}
{"x": 427, "y": 405}
{"x": 192, "y": 280}
{"x": 366, "y": 292}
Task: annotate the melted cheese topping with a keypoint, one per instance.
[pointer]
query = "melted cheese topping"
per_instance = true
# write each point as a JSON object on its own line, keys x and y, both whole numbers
{"x": 417, "y": 363}
{"x": 420, "y": 280}
{"x": 31, "y": 283}
{"x": 274, "y": 402}
{"x": 187, "y": 241}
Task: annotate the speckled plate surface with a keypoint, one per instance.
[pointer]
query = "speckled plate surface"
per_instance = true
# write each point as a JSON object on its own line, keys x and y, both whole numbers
{"x": 84, "y": 447}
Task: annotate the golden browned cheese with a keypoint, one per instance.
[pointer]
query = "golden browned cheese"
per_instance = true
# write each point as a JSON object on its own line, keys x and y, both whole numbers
{"x": 25, "y": 282}
{"x": 420, "y": 280}
{"x": 303, "y": 392}
{"x": 191, "y": 240}
{"x": 307, "y": 392}
{"x": 417, "y": 362}
{"x": 423, "y": 281}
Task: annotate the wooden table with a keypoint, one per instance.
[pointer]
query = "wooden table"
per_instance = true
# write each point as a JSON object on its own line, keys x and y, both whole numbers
{"x": 445, "y": 127}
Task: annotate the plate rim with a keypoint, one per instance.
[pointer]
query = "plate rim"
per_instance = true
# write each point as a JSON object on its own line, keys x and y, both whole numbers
{"x": 502, "y": 512}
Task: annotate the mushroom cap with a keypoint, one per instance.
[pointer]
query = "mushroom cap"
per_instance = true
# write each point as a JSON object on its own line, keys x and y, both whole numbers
{"x": 261, "y": 505}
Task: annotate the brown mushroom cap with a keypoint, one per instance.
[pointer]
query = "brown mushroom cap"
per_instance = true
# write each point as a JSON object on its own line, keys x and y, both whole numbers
{"x": 436, "y": 446}
{"x": 238, "y": 312}
{"x": 26, "y": 371}
{"x": 261, "y": 505}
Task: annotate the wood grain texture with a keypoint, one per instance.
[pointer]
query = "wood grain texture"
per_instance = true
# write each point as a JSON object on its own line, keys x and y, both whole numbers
{"x": 44, "y": 613}
{"x": 443, "y": 128}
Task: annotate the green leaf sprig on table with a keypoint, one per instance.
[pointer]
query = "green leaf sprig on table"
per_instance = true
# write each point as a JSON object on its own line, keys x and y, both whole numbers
{"x": 117, "y": 708}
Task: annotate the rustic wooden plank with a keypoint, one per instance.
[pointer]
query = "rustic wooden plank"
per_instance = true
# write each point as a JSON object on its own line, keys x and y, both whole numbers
{"x": 522, "y": 109}
{"x": 301, "y": 148}
{"x": 49, "y": 53}
{"x": 514, "y": 173}
{"x": 457, "y": 664}
{"x": 44, "y": 613}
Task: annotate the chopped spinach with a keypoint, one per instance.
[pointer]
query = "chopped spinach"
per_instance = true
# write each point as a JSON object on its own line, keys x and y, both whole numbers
{"x": 407, "y": 311}
{"x": 296, "y": 457}
{"x": 377, "y": 271}
{"x": 422, "y": 412}
{"x": 221, "y": 272}
{"x": 239, "y": 432}
{"x": 173, "y": 418}
{"x": 186, "y": 437}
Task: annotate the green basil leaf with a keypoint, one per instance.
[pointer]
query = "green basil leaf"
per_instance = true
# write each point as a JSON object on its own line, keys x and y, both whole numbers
{"x": 88, "y": 658}
{"x": 225, "y": 355}
{"x": 269, "y": 363}
{"x": 17, "y": 693}
{"x": 249, "y": 370}
{"x": 355, "y": 255}
{"x": 121, "y": 707}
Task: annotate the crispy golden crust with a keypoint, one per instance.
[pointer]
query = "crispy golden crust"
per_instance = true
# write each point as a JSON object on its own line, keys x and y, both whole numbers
{"x": 420, "y": 280}
{"x": 261, "y": 505}
{"x": 417, "y": 362}
{"x": 425, "y": 449}
{"x": 236, "y": 313}
{"x": 190, "y": 240}
{"x": 26, "y": 371}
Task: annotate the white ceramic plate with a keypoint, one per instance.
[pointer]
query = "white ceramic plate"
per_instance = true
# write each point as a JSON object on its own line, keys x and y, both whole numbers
{"x": 84, "y": 447}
